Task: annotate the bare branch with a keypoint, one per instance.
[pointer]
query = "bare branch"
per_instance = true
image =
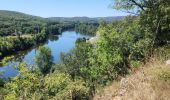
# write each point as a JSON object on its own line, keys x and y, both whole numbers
{"x": 137, "y": 4}
{"x": 133, "y": 13}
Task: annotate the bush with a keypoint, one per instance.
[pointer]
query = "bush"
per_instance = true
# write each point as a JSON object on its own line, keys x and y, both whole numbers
{"x": 44, "y": 60}
{"x": 29, "y": 85}
{"x": 59, "y": 85}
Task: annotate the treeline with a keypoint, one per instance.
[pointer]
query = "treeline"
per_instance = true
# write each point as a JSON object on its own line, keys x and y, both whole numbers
{"x": 20, "y": 31}
{"x": 80, "y": 27}
{"x": 86, "y": 28}
{"x": 12, "y": 44}
{"x": 13, "y": 23}
{"x": 58, "y": 27}
{"x": 85, "y": 19}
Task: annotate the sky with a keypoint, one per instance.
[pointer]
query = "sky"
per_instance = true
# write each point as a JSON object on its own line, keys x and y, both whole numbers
{"x": 62, "y": 8}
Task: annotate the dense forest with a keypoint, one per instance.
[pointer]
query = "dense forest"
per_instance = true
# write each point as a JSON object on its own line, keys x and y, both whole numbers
{"x": 13, "y": 23}
{"x": 122, "y": 45}
{"x": 84, "y": 19}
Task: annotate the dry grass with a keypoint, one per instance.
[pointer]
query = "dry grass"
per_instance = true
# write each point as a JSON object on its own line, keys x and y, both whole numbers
{"x": 150, "y": 82}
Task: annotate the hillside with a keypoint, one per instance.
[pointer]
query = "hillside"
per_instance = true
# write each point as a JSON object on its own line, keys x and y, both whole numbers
{"x": 16, "y": 15}
{"x": 150, "y": 81}
{"x": 12, "y": 22}
{"x": 85, "y": 19}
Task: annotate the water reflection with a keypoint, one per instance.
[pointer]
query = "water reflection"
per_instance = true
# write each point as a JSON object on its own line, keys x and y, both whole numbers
{"x": 61, "y": 43}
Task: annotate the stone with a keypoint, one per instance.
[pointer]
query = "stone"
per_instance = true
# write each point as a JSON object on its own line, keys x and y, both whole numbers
{"x": 167, "y": 63}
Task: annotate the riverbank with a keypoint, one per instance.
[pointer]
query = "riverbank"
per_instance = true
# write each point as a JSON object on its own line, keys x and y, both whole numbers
{"x": 13, "y": 44}
{"x": 57, "y": 43}
{"x": 92, "y": 40}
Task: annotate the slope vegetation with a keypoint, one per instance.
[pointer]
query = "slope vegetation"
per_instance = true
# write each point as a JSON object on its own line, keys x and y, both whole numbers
{"x": 12, "y": 22}
{"x": 149, "y": 82}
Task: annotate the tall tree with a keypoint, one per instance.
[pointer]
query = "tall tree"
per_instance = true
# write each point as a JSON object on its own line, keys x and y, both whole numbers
{"x": 44, "y": 60}
{"x": 154, "y": 16}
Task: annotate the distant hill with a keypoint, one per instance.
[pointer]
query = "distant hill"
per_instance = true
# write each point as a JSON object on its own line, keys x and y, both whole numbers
{"x": 84, "y": 19}
{"x": 17, "y": 16}
{"x": 11, "y": 21}
{"x": 14, "y": 14}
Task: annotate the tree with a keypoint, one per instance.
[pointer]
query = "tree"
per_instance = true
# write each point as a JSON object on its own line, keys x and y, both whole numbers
{"x": 154, "y": 16}
{"x": 156, "y": 19}
{"x": 44, "y": 60}
{"x": 130, "y": 5}
{"x": 24, "y": 86}
{"x": 77, "y": 59}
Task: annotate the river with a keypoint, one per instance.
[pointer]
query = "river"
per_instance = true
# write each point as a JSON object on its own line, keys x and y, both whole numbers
{"x": 61, "y": 43}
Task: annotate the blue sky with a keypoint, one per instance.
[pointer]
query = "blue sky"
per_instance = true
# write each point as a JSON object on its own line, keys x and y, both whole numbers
{"x": 62, "y": 8}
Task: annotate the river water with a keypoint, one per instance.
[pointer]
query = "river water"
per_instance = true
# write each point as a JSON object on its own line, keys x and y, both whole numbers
{"x": 61, "y": 43}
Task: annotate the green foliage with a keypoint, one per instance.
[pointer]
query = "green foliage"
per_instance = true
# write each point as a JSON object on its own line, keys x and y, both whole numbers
{"x": 162, "y": 53}
{"x": 2, "y": 81}
{"x": 165, "y": 75}
{"x": 117, "y": 48}
{"x": 154, "y": 17}
{"x": 131, "y": 6}
{"x": 12, "y": 44}
{"x": 44, "y": 60}
{"x": 58, "y": 27}
{"x": 59, "y": 86}
{"x": 13, "y": 23}
{"x": 23, "y": 86}
{"x": 83, "y": 19}
{"x": 86, "y": 28}
{"x": 121, "y": 45}
{"x": 6, "y": 59}
{"x": 73, "y": 62}
{"x": 28, "y": 85}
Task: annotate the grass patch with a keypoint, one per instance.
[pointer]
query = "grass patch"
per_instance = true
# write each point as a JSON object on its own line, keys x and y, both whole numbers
{"x": 149, "y": 82}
